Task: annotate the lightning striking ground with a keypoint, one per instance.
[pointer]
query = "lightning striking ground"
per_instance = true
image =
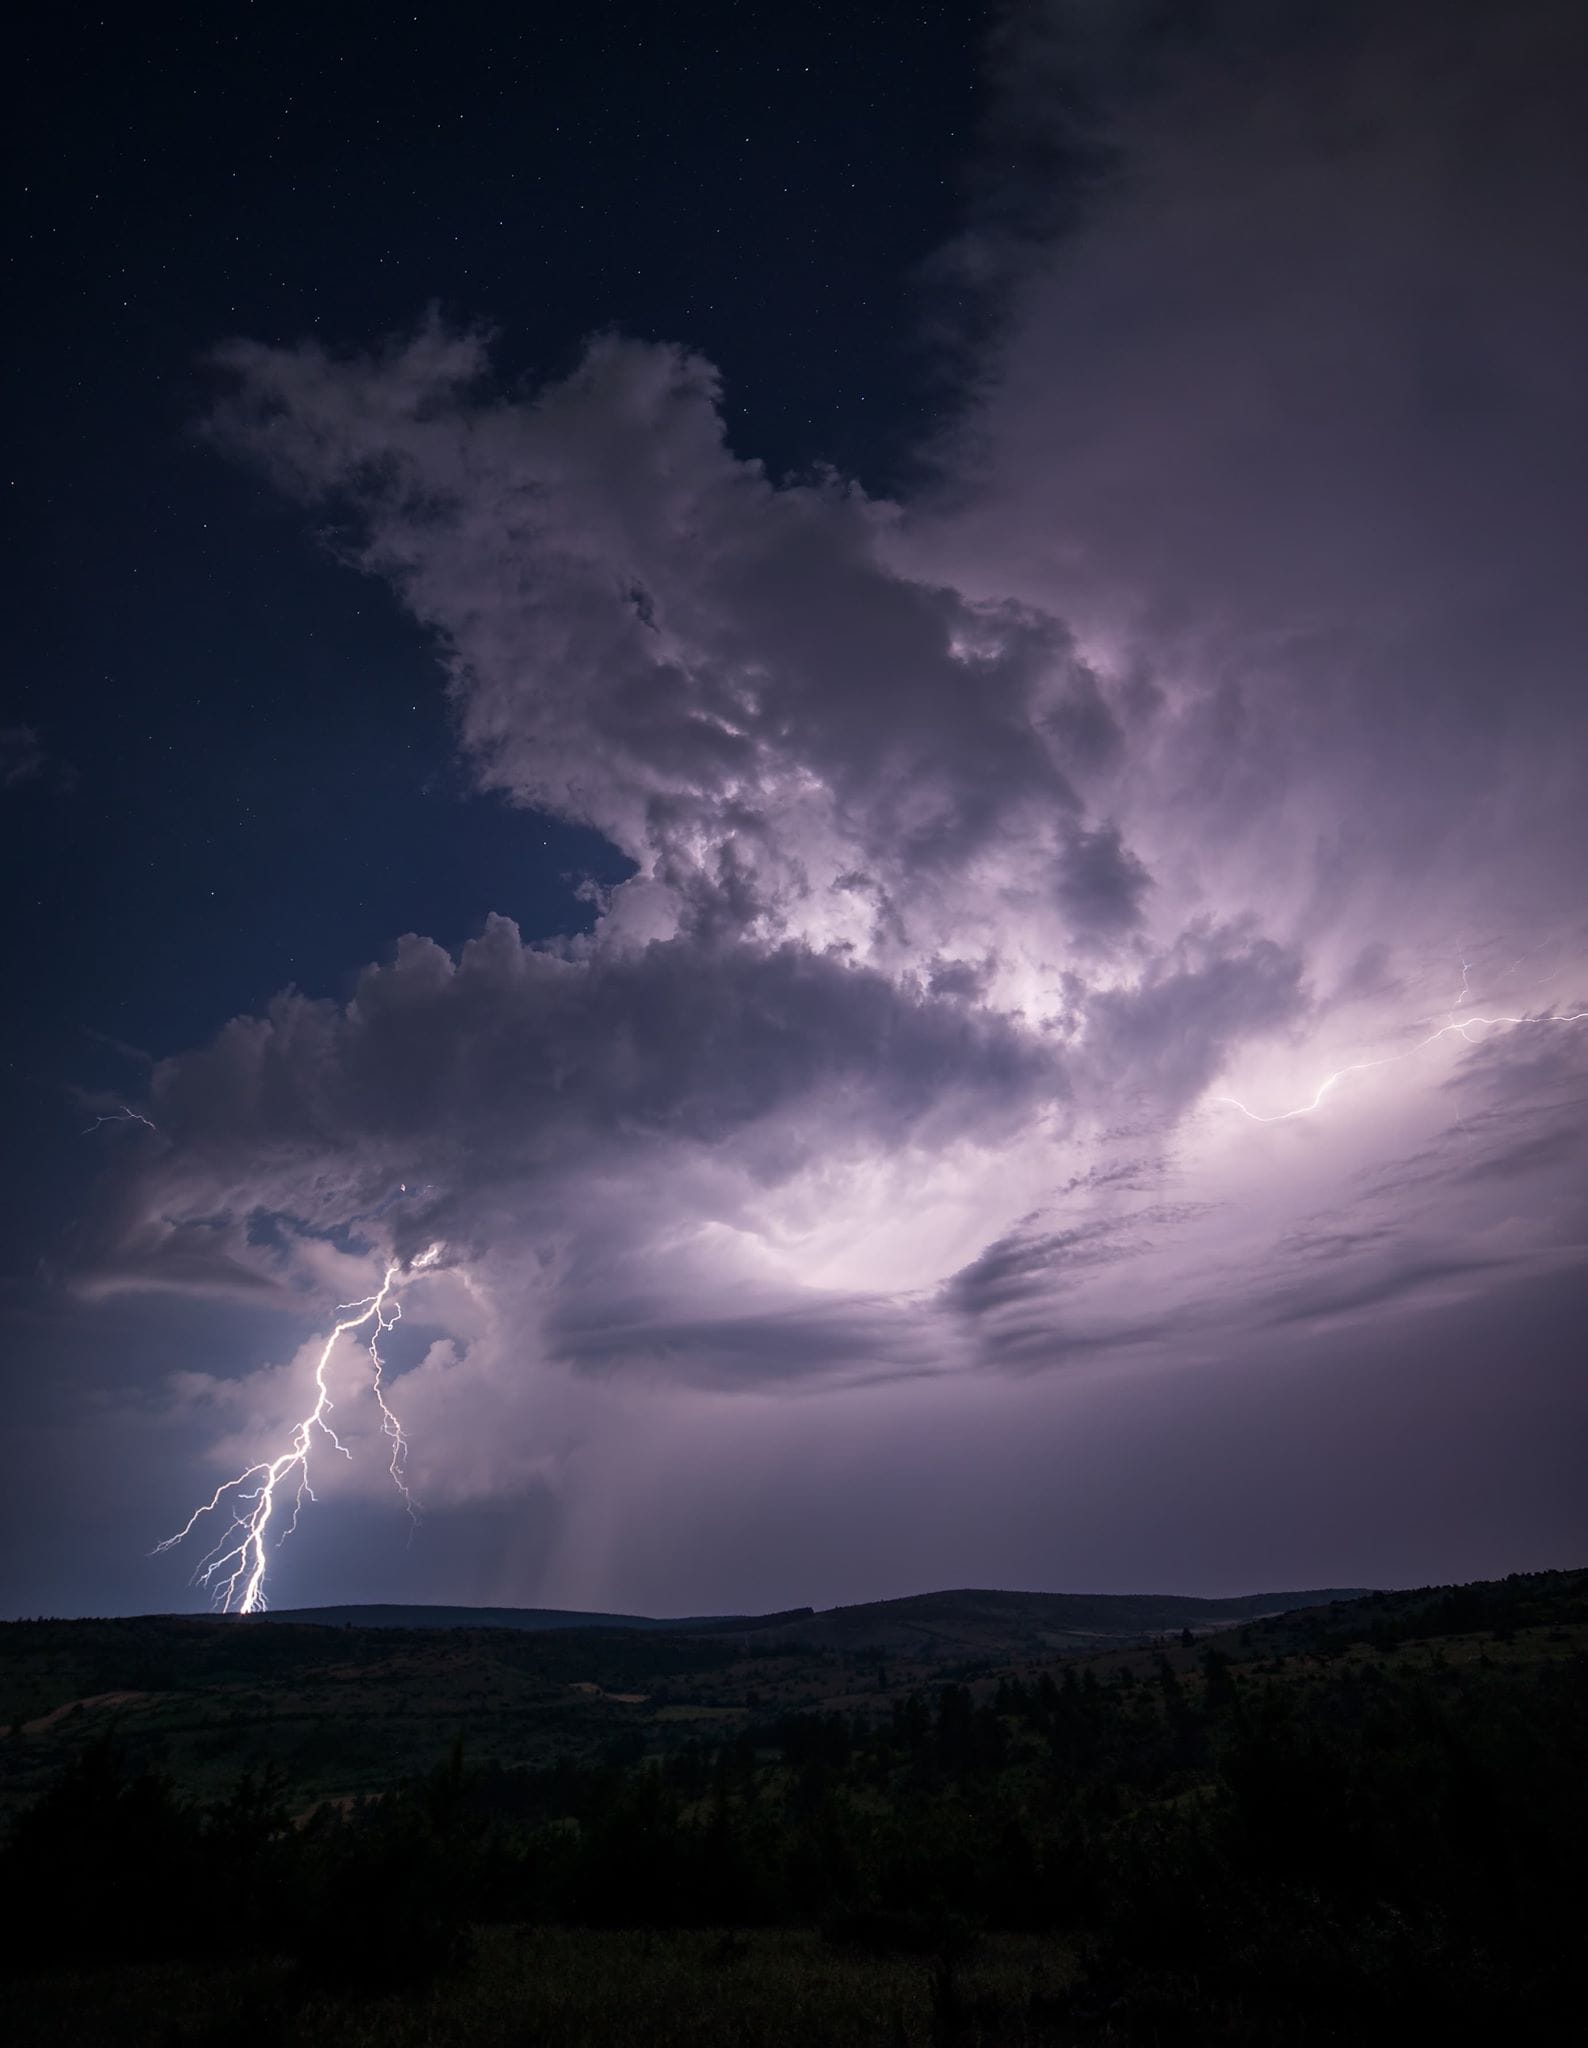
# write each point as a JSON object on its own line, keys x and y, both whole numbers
{"x": 234, "y": 1570}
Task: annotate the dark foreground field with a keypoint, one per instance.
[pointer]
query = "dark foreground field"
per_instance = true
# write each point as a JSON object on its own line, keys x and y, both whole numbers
{"x": 1358, "y": 1821}
{"x": 575, "y": 1988}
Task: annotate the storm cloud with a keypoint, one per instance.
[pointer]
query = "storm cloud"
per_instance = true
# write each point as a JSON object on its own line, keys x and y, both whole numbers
{"x": 1008, "y": 862}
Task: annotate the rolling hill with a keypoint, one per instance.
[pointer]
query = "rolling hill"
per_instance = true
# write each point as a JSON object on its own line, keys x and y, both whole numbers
{"x": 535, "y": 1618}
{"x": 338, "y": 1700}
{"x": 979, "y": 1623}
{"x": 960, "y": 1623}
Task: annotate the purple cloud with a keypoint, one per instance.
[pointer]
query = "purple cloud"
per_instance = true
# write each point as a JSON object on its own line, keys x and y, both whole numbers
{"x": 1210, "y": 727}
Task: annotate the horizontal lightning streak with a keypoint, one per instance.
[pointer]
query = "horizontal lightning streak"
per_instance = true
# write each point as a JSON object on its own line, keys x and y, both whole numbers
{"x": 1461, "y": 1026}
{"x": 123, "y": 1115}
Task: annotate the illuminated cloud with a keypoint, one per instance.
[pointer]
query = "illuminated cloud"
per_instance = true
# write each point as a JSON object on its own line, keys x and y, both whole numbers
{"x": 1211, "y": 724}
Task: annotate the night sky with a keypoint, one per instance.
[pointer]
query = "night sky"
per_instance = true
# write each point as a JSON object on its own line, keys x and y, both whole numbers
{"x": 882, "y": 709}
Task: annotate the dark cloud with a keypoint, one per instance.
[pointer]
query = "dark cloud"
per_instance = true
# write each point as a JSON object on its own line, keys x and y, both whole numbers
{"x": 1410, "y": 1272}
{"x": 1528, "y": 1155}
{"x": 645, "y": 633}
{"x": 1171, "y": 1031}
{"x": 502, "y": 1060}
{"x": 1102, "y": 883}
{"x": 1030, "y": 1263}
{"x": 601, "y": 1331}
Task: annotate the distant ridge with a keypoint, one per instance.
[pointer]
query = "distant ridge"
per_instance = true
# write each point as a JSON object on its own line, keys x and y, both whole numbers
{"x": 972, "y": 1621}
{"x": 959, "y": 1622}
{"x": 379, "y": 1615}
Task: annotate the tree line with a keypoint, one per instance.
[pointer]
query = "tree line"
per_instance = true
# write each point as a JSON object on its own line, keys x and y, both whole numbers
{"x": 1370, "y": 1845}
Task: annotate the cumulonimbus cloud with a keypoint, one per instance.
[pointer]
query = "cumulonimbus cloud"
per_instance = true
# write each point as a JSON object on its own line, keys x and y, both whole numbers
{"x": 974, "y": 840}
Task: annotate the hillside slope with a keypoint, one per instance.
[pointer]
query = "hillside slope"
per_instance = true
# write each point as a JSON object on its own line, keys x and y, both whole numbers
{"x": 960, "y": 1623}
{"x": 380, "y": 1615}
{"x": 974, "y": 1622}
{"x": 339, "y": 1711}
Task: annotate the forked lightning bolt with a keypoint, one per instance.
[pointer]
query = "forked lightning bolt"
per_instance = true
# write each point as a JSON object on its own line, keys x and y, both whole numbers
{"x": 235, "y": 1569}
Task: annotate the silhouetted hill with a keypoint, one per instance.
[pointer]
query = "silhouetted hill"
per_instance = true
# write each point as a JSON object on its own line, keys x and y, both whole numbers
{"x": 973, "y": 1622}
{"x": 1200, "y": 1812}
{"x": 965, "y": 1622}
{"x": 377, "y": 1615}
{"x": 344, "y": 1701}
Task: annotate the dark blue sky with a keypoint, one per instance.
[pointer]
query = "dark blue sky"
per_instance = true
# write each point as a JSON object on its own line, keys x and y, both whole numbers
{"x": 249, "y": 778}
